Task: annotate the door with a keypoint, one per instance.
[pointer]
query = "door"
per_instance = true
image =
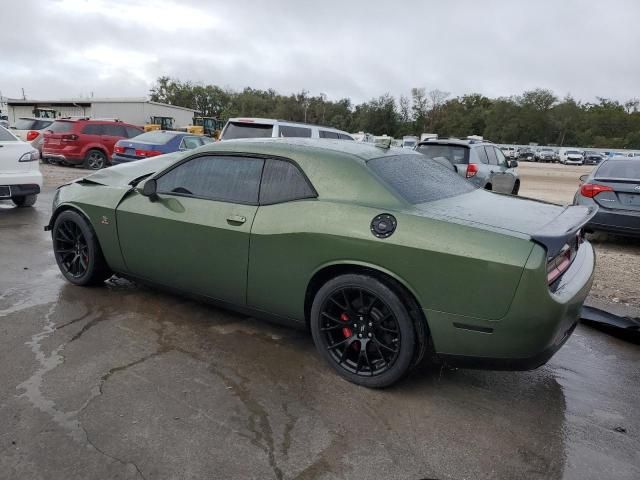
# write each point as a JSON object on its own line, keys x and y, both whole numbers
{"x": 195, "y": 236}
{"x": 507, "y": 178}
{"x": 497, "y": 167}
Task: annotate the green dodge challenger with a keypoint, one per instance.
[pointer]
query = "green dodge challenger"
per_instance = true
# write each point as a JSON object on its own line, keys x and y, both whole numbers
{"x": 385, "y": 256}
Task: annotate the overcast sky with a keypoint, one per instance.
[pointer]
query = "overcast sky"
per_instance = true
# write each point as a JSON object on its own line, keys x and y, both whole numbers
{"x": 346, "y": 48}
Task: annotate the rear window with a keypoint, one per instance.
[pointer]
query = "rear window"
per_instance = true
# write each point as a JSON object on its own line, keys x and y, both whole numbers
{"x": 453, "y": 153}
{"x": 157, "y": 138}
{"x": 247, "y": 130}
{"x": 61, "y": 127}
{"x": 5, "y": 136}
{"x": 31, "y": 124}
{"x": 290, "y": 131}
{"x": 627, "y": 169}
{"x": 417, "y": 180}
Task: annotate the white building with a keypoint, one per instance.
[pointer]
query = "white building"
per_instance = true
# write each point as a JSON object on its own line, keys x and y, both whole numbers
{"x": 136, "y": 111}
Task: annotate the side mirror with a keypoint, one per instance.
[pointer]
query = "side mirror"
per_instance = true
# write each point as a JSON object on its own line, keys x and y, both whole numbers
{"x": 150, "y": 189}
{"x": 583, "y": 178}
{"x": 512, "y": 164}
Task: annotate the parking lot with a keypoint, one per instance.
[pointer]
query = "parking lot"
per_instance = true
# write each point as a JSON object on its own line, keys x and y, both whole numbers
{"x": 130, "y": 382}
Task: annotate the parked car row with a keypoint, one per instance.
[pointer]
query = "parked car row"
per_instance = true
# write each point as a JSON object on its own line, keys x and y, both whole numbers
{"x": 567, "y": 156}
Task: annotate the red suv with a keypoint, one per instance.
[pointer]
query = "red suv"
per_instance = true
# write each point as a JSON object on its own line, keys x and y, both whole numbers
{"x": 85, "y": 141}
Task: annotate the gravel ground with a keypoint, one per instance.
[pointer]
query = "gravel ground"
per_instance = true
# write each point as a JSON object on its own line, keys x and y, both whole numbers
{"x": 618, "y": 267}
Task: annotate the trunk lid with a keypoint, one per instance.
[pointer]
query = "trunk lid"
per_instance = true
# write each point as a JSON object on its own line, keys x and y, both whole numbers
{"x": 551, "y": 225}
{"x": 10, "y": 153}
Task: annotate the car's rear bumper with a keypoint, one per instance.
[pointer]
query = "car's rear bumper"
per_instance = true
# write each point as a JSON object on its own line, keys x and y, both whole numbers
{"x": 538, "y": 323}
{"x": 18, "y": 179}
{"x": 116, "y": 159}
{"x": 622, "y": 222}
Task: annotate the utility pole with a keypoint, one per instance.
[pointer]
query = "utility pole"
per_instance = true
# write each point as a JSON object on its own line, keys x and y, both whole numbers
{"x": 23, "y": 95}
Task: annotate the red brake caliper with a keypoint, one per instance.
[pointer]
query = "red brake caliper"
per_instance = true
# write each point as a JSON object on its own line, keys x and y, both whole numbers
{"x": 346, "y": 331}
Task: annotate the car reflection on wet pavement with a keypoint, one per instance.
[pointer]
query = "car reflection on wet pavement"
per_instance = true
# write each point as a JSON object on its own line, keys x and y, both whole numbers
{"x": 131, "y": 382}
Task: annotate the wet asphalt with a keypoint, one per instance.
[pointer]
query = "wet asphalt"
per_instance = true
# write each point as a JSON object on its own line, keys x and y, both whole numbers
{"x": 124, "y": 381}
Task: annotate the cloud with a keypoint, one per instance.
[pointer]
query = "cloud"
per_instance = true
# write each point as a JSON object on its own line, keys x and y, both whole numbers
{"x": 358, "y": 49}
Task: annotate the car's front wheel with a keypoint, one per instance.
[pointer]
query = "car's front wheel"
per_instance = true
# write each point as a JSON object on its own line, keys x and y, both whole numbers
{"x": 24, "y": 200}
{"x": 77, "y": 251}
{"x": 364, "y": 330}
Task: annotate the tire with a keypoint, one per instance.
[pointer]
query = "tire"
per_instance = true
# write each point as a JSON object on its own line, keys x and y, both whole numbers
{"x": 95, "y": 159}
{"x": 24, "y": 200}
{"x": 366, "y": 329}
{"x": 77, "y": 251}
{"x": 488, "y": 187}
{"x": 516, "y": 188}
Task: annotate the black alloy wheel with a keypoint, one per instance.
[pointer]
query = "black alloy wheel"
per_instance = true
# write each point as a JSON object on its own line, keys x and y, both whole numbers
{"x": 364, "y": 330}
{"x": 77, "y": 251}
{"x": 71, "y": 248}
{"x": 361, "y": 331}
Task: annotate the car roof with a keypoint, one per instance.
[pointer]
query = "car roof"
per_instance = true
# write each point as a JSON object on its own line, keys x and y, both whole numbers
{"x": 456, "y": 141}
{"x": 273, "y": 121}
{"x": 362, "y": 151}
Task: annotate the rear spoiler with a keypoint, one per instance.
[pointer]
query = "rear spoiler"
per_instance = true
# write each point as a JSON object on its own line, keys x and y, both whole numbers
{"x": 564, "y": 228}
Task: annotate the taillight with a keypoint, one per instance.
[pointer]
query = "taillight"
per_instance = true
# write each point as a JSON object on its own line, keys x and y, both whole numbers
{"x": 472, "y": 169}
{"x": 69, "y": 138}
{"x": 32, "y": 135}
{"x": 118, "y": 149}
{"x": 558, "y": 265}
{"x": 147, "y": 153}
{"x": 590, "y": 190}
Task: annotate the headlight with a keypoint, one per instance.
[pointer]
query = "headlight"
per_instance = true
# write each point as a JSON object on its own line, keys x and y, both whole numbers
{"x": 31, "y": 156}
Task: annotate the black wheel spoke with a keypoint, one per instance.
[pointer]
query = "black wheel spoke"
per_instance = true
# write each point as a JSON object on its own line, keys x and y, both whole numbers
{"x": 348, "y": 341}
{"x": 332, "y": 318}
{"x": 333, "y": 327}
{"x": 71, "y": 248}
{"x": 377, "y": 342}
{"x": 385, "y": 329}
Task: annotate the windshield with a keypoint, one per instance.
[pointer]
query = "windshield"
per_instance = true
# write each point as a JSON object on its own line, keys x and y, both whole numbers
{"x": 628, "y": 169}
{"x": 573, "y": 152}
{"x": 6, "y": 136}
{"x": 409, "y": 143}
{"x": 157, "y": 138}
{"x": 453, "y": 153}
{"x": 418, "y": 181}
{"x": 247, "y": 130}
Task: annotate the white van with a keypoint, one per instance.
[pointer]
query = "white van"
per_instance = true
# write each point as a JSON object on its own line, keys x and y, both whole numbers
{"x": 269, "y": 128}
{"x": 409, "y": 141}
{"x": 571, "y": 156}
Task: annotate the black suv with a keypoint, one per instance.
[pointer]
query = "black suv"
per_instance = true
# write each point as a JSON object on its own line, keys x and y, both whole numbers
{"x": 480, "y": 162}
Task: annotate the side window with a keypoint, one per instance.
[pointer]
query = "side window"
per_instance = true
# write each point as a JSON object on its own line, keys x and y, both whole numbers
{"x": 344, "y": 136}
{"x": 328, "y": 134}
{"x": 283, "y": 182}
{"x": 502, "y": 160}
{"x": 491, "y": 153}
{"x": 93, "y": 129}
{"x": 291, "y": 131}
{"x": 133, "y": 132}
{"x": 114, "y": 130}
{"x": 481, "y": 154}
{"x": 189, "y": 143}
{"x": 227, "y": 179}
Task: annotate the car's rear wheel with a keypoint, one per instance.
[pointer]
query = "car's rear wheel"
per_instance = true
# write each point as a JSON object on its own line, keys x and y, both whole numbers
{"x": 77, "y": 251}
{"x": 364, "y": 330}
{"x": 24, "y": 200}
{"x": 95, "y": 160}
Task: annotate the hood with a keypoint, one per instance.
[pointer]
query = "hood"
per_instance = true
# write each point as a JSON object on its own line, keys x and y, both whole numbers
{"x": 122, "y": 175}
{"x": 546, "y": 223}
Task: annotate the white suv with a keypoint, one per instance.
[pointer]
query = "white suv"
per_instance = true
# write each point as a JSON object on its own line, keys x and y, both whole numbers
{"x": 20, "y": 177}
{"x": 269, "y": 128}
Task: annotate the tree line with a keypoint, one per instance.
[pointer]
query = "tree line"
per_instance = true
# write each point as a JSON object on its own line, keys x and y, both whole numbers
{"x": 537, "y": 116}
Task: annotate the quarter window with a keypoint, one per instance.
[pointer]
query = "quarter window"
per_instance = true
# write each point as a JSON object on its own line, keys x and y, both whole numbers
{"x": 114, "y": 130}
{"x": 133, "y": 132}
{"x": 283, "y": 182}
{"x": 227, "y": 179}
{"x": 482, "y": 154}
{"x": 189, "y": 143}
{"x": 291, "y": 131}
{"x": 93, "y": 129}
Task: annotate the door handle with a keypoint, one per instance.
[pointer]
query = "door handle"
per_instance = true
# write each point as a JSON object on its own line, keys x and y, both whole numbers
{"x": 236, "y": 219}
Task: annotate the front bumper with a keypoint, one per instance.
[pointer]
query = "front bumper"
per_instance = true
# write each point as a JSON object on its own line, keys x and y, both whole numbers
{"x": 538, "y": 323}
